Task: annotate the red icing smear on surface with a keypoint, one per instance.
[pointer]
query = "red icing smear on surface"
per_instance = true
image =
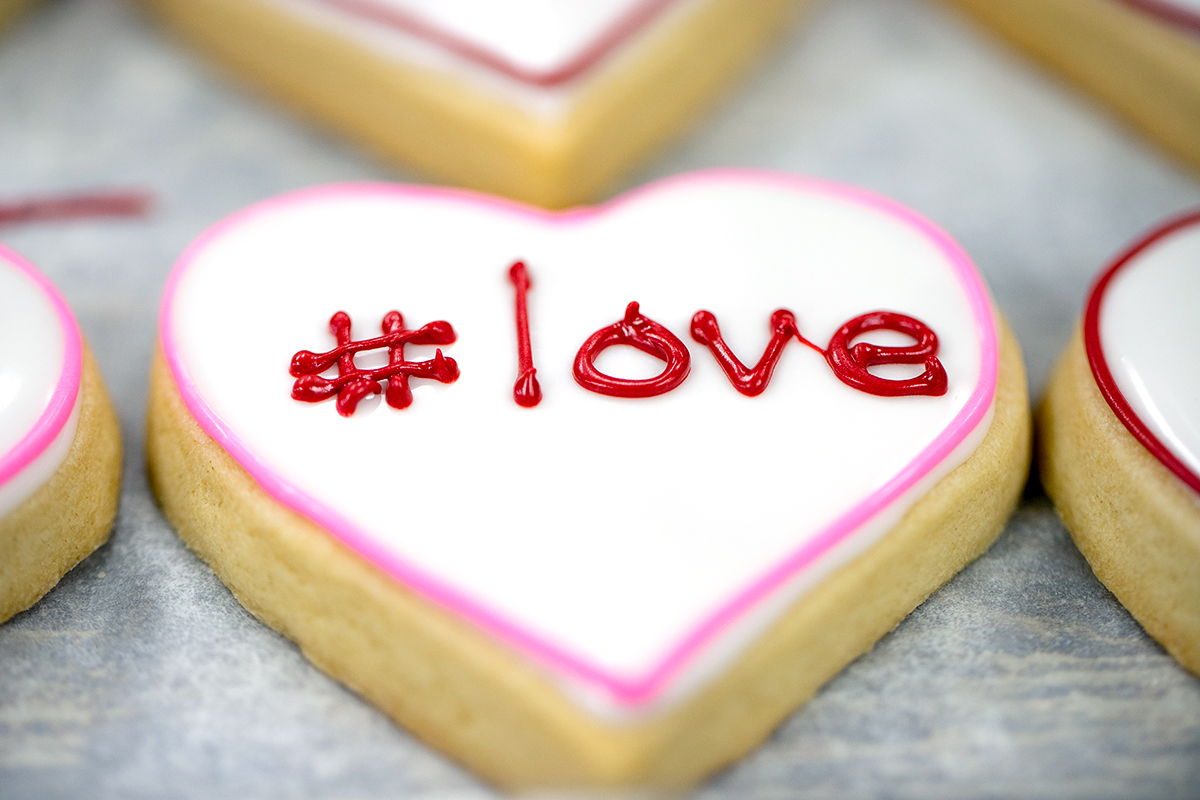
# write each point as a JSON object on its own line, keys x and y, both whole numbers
{"x": 750, "y": 382}
{"x": 1168, "y": 12}
{"x": 412, "y": 24}
{"x": 850, "y": 362}
{"x": 352, "y": 384}
{"x": 1103, "y": 375}
{"x": 133, "y": 203}
{"x": 526, "y": 391}
{"x": 646, "y": 335}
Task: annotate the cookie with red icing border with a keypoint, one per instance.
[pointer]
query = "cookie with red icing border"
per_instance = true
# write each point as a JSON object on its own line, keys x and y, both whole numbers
{"x": 60, "y": 448}
{"x": 1139, "y": 57}
{"x": 593, "y": 497}
{"x": 1120, "y": 432}
{"x": 545, "y": 101}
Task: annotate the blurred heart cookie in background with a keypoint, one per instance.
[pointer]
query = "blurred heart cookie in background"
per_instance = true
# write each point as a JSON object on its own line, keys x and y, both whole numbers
{"x": 546, "y": 102}
{"x": 1140, "y": 57}
{"x": 11, "y": 9}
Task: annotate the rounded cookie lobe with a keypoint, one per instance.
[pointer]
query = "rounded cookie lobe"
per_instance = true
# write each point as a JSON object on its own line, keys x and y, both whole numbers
{"x": 1142, "y": 335}
{"x": 60, "y": 452}
{"x": 1119, "y": 432}
{"x": 40, "y": 365}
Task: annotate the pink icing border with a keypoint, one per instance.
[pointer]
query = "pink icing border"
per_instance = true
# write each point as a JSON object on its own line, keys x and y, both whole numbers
{"x": 637, "y": 690}
{"x": 66, "y": 391}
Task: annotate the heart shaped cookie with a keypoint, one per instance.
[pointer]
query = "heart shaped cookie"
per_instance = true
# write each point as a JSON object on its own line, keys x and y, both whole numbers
{"x": 1141, "y": 58}
{"x": 506, "y": 472}
{"x": 11, "y": 9}
{"x": 1121, "y": 434}
{"x": 546, "y": 101}
{"x": 60, "y": 448}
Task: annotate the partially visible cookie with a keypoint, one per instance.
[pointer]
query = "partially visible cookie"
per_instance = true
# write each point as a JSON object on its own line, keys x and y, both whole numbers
{"x": 60, "y": 446}
{"x": 9, "y": 9}
{"x": 545, "y": 101}
{"x": 1120, "y": 435}
{"x": 1140, "y": 57}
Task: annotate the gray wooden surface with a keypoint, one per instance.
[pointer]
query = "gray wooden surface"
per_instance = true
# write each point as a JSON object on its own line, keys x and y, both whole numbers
{"x": 140, "y": 676}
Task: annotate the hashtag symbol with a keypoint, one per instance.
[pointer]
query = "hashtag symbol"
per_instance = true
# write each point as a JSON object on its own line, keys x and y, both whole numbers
{"x": 352, "y": 384}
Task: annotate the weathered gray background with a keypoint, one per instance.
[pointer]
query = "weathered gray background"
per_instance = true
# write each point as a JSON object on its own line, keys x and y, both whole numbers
{"x": 140, "y": 676}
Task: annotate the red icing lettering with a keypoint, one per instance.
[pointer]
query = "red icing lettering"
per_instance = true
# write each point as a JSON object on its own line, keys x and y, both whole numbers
{"x": 526, "y": 391}
{"x": 850, "y": 362}
{"x": 646, "y": 335}
{"x": 750, "y": 382}
{"x": 352, "y": 384}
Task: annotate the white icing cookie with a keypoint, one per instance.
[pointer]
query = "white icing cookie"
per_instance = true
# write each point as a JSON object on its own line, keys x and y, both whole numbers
{"x": 614, "y": 589}
{"x": 1122, "y": 435}
{"x": 60, "y": 453}
{"x": 1139, "y": 57}
{"x": 545, "y": 101}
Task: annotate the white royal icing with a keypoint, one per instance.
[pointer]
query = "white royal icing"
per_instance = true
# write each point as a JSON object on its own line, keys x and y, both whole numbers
{"x": 1150, "y": 335}
{"x": 33, "y": 347}
{"x": 501, "y": 503}
{"x": 536, "y": 36}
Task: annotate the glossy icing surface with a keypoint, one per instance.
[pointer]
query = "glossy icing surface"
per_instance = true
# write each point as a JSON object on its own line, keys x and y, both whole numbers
{"x": 629, "y": 546}
{"x": 1143, "y": 333}
{"x": 541, "y": 44}
{"x": 40, "y": 366}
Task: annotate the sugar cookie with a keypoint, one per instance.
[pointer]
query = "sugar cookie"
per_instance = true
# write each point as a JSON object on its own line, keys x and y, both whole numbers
{"x": 10, "y": 9}
{"x": 561, "y": 560}
{"x": 1120, "y": 433}
{"x": 546, "y": 101}
{"x": 60, "y": 447}
{"x": 1140, "y": 57}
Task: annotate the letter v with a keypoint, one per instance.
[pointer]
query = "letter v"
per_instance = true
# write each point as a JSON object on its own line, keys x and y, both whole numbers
{"x": 750, "y": 382}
